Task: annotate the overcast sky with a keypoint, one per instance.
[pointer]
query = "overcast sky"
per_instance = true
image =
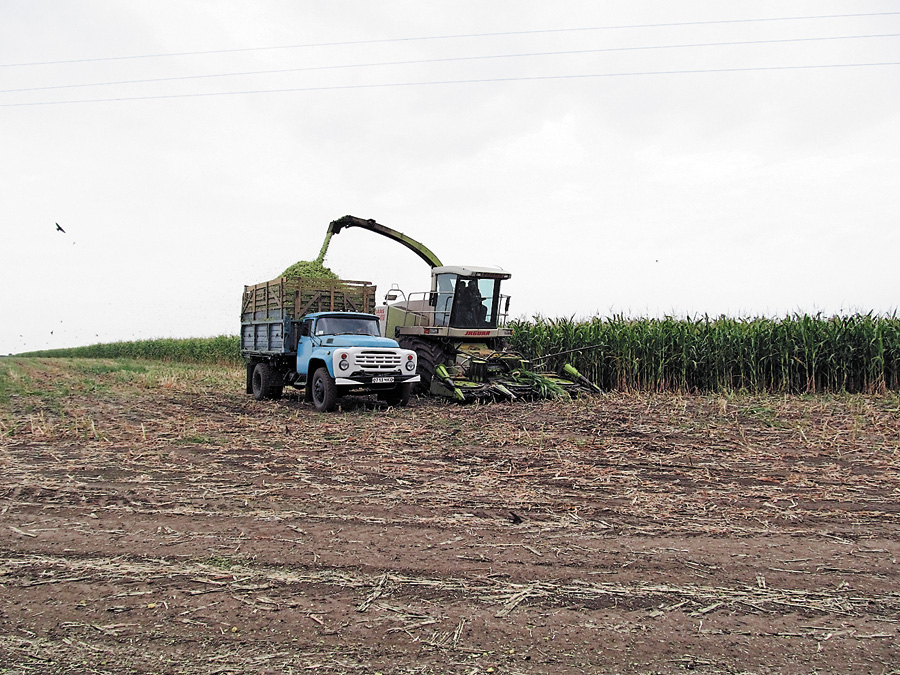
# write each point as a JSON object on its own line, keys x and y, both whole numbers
{"x": 645, "y": 158}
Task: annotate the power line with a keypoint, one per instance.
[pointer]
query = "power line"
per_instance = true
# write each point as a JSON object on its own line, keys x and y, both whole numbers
{"x": 531, "y": 78}
{"x": 450, "y": 37}
{"x": 570, "y": 52}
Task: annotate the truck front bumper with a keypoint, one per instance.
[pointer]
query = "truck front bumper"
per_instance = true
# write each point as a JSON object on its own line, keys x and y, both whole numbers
{"x": 375, "y": 380}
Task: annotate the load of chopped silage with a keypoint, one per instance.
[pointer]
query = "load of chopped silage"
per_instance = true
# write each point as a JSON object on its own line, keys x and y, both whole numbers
{"x": 311, "y": 269}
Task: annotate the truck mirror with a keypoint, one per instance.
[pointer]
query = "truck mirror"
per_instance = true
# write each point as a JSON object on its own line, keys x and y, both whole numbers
{"x": 390, "y": 297}
{"x": 506, "y": 311}
{"x": 304, "y": 329}
{"x": 432, "y": 299}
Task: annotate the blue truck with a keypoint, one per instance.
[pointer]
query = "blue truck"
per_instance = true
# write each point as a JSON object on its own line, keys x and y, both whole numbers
{"x": 320, "y": 335}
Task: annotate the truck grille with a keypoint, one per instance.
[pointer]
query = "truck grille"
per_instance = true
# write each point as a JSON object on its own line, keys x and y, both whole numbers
{"x": 380, "y": 361}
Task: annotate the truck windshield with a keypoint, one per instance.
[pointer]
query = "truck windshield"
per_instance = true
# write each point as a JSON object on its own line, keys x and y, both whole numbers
{"x": 346, "y": 325}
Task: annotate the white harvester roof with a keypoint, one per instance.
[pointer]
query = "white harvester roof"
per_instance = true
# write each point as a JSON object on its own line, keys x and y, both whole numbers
{"x": 471, "y": 271}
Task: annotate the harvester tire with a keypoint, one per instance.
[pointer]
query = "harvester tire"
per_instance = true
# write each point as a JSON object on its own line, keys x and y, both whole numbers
{"x": 430, "y": 356}
{"x": 398, "y": 396}
{"x": 324, "y": 391}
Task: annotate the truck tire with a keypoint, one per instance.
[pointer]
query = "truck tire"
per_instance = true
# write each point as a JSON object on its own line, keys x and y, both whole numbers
{"x": 324, "y": 391}
{"x": 430, "y": 356}
{"x": 266, "y": 382}
{"x": 276, "y": 391}
{"x": 260, "y": 381}
{"x": 398, "y": 396}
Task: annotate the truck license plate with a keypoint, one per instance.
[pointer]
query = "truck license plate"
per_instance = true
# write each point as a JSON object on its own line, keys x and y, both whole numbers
{"x": 382, "y": 380}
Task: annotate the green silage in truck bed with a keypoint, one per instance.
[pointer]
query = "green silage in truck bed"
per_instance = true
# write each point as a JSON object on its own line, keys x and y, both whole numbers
{"x": 312, "y": 269}
{"x": 309, "y": 269}
{"x": 306, "y": 286}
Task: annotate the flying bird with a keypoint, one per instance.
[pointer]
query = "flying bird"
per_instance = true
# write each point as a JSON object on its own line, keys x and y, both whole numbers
{"x": 59, "y": 229}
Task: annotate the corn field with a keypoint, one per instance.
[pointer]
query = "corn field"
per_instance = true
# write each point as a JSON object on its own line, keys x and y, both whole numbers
{"x": 796, "y": 354}
{"x": 224, "y": 349}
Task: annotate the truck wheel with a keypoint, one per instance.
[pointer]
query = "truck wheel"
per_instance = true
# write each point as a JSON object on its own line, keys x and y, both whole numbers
{"x": 260, "y": 382}
{"x": 266, "y": 382}
{"x": 324, "y": 391}
{"x": 398, "y": 396}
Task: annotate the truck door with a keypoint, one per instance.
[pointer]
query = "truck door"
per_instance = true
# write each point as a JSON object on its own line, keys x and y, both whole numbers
{"x": 304, "y": 347}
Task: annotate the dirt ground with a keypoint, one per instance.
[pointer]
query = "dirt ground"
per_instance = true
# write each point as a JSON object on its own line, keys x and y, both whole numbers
{"x": 155, "y": 519}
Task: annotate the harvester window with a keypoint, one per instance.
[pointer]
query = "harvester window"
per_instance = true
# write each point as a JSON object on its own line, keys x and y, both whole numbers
{"x": 475, "y": 304}
{"x": 446, "y": 285}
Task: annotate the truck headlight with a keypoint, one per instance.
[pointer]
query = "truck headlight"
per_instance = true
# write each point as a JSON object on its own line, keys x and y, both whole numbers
{"x": 344, "y": 363}
{"x": 410, "y": 363}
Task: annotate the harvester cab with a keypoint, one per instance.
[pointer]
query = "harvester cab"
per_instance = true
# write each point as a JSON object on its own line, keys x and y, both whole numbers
{"x": 457, "y": 328}
{"x": 468, "y": 298}
{"x": 463, "y": 302}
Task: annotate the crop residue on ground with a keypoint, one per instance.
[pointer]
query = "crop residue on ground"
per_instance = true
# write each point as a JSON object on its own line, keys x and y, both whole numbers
{"x": 157, "y": 519}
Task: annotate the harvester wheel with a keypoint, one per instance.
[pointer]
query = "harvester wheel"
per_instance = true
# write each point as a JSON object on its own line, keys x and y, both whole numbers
{"x": 324, "y": 391}
{"x": 398, "y": 396}
{"x": 431, "y": 355}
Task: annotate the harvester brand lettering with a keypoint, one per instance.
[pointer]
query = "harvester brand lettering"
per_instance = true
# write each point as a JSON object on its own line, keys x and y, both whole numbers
{"x": 478, "y": 332}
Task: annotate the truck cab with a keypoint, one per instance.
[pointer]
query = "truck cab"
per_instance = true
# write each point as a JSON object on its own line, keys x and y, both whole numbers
{"x": 350, "y": 347}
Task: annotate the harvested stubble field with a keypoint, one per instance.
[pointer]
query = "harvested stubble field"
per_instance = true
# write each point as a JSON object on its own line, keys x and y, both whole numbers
{"x": 157, "y": 520}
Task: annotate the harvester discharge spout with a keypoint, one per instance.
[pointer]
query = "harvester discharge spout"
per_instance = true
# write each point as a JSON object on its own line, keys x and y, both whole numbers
{"x": 416, "y": 247}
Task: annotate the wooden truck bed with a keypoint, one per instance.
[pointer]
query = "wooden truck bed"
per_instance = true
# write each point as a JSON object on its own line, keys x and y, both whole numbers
{"x": 269, "y": 307}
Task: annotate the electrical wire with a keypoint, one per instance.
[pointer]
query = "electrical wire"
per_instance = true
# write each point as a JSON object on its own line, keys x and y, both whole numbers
{"x": 451, "y": 37}
{"x": 570, "y": 52}
{"x": 532, "y": 78}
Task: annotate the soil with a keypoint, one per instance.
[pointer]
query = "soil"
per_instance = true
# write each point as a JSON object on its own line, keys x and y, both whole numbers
{"x": 155, "y": 519}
